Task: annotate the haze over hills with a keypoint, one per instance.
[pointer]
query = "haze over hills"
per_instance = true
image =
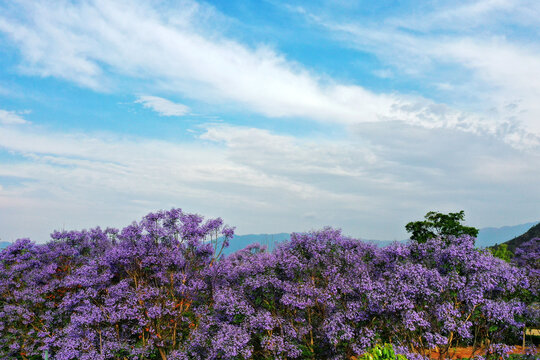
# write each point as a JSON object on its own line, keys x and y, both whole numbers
{"x": 490, "y": 236}
{"x": 241, "y": 241}
{"x": 533, "y": 232}
{"x": 486, "y": 237}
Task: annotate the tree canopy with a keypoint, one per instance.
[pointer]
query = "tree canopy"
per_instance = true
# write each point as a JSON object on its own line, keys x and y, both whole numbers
{"x": 438, "y": 224}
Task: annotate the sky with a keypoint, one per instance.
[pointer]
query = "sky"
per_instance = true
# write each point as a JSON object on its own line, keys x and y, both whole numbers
{"x": 277, "y": 116}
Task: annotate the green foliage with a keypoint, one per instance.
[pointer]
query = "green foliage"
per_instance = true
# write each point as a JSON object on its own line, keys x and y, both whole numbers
{"x": 438, "y": 224}
{"x": 382, "y": 352}
{"x": 502, "y": 252}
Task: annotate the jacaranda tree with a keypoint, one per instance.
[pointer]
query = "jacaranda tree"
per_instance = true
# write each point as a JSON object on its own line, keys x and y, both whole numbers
{"x": 160, "y": 289}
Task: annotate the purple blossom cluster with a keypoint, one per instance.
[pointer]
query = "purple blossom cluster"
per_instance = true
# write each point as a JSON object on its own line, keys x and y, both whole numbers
{"x": 160, "y": 289}
{"x": 527, "y": 257}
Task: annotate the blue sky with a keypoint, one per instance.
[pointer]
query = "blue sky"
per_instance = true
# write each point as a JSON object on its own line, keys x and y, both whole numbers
{"x": 277, "y": 116}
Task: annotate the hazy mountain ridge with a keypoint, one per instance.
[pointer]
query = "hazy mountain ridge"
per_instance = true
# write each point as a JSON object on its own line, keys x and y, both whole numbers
{"x": 241, "y": 241}
{"x": 487, "y": 237}
{"x": 533, "y": 232}
{"x": 490, "y": 236}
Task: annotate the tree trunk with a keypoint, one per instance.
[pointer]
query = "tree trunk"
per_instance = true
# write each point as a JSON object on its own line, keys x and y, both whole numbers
{"x": 162, "y": 353}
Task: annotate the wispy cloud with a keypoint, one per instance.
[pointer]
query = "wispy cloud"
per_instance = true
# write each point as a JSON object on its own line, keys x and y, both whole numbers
{"x": 381, "y": 155}
{"x": 463, "y": 16}
{"x": 94, "y": 42}
{"x": 75, "y": 41}
{"x": 11, "y": 118}
{"x": 163, "y": 106}
{"x": 247, "y": 174}
{"x": 486, "y": 70}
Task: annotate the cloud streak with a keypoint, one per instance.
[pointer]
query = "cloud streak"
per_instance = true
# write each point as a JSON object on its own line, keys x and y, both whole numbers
{"x": 380, "y": 160}
{"x": 71, "y": 41}
{"x": 163, "y": 106}
{"x": 248, "y": 175}
{"x": 97, "y": 43}
{"x": 464, "y": 48}
{"x": 11, "y": 118}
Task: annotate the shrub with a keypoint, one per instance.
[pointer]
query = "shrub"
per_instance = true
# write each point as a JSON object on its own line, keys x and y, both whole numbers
{"x": 382, "y": 352}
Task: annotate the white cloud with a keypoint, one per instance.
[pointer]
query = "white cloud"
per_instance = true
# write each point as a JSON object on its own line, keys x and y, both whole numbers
{"x": 73, "y": 41}
{"x": 464, "y": 16}
{"x": 400, "y": 155}
{"x": 93, "y": 42}
{"x": 370, "y": 183}
{"x": 163, "y": 106}
{"x": 459, "y": 15}
{"x": 488, "y": 69}
{"x": 11, "y": 118}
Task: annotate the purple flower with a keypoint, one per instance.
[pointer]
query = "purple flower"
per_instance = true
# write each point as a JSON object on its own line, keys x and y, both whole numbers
{"x": 159, "y": 288}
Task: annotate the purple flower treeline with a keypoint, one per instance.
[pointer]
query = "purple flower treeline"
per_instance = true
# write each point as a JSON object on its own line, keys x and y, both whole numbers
{"x": 160, "y": 289}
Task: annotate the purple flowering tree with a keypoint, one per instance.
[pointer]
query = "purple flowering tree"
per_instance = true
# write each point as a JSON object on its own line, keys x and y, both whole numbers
{"x": 33, "y": 287}
{"x": 447, "y": 293}
{"x": 160, "y": 289}
{"x": 527, "y": 258}
{"x": 306, "y": 300}
{"x": 99, "y": 294}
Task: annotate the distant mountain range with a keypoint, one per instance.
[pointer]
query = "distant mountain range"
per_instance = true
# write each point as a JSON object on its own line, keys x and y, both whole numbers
{"x": 533, "y": 232}
{"x": 512, "y": 235}
{"x": 487, "y": 237}
{"x": 241, "y": 241}
{"x": 492, "y": 236}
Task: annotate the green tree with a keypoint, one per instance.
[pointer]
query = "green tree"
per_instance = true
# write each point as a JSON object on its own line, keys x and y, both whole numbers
{"x": 439, "y": 224}
{"x": 502, "y": 252}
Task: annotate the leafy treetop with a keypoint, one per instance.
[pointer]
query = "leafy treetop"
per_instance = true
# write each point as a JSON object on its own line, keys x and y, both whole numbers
{"x": 439, "y": 224}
